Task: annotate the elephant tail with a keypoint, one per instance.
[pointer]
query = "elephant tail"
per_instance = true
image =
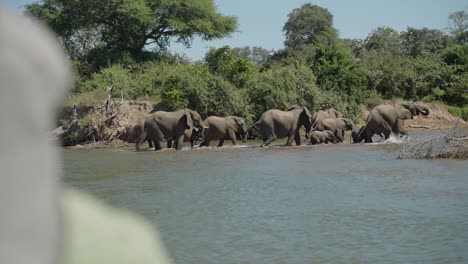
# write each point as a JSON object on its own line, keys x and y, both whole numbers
{"x": 252, "y": 126}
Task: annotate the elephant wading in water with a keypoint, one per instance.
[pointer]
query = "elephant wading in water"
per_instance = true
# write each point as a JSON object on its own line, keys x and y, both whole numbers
{"x": 139, "y": 131}
{"x": 336, "y": 125}
{"x": 276, "y": 124}
{"x": 357, "y": 130}
{"x": 222, "y": 128}
{"x": 318, "y": 137}
{"x": 160, "y": 126}
{"x": 190, "y": 135}
{"x": 319, "y": 116}
{"x": 385, "y": 119}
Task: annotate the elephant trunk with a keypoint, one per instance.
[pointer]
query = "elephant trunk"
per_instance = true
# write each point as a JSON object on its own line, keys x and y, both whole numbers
{"x": 422, "y": 109}
{"x": 244, "y": 135}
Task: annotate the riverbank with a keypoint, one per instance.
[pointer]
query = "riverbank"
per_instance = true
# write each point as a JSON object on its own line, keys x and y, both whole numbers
{"x": 106, "y": 125}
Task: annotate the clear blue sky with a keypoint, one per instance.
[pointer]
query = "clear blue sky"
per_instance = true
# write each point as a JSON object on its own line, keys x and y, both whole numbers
{"x": 261, "y": 21}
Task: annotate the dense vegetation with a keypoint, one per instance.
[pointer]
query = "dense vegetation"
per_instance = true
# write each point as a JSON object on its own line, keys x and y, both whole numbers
{"x": 124, "y": 44}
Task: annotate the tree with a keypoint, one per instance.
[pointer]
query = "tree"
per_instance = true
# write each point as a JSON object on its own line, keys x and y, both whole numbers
{"x": 309, "y": 24}
{"x": 336, "y": 70}
{"x": 383, "y": 38}
{"x": 423, "y": 42}
{"x": 222, "y": 62}
{"x": 257, "y": 55}
{"x": 129, "y": 26}
{"x": 458, "y": 27}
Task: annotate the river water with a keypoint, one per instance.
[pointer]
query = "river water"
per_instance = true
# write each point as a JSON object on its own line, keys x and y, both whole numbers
{"x": 309, "y": 204}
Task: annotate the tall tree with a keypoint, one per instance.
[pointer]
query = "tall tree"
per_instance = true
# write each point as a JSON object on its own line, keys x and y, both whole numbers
{"x": 309, "y": 24}
{"x": 131, "y": 25}
{"x": 458, "y": 26}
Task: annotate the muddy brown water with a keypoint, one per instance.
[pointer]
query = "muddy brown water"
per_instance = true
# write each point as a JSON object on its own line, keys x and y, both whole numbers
{"x": 309, "y": 204}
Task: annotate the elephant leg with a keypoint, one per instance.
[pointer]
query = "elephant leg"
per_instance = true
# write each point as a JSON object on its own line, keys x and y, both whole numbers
{"x": 206, "y": 143}
{"x": 169, "y": 143}
{"x": 180, "y": 142}
{"x": 267, "y": 141}
{"x": 401, "y": 128}
{"x": 192, "y": 143}
{"x": 150, "y": 143}
{"x": 297, "y": 138}
{"x": 221, "y": 142}
{"x": 368, "y": 137}
{"x": 232, "y": 135}
{"x": 143, "y": 137}
{"x": 290, "y": 140}
{"x": 157, "y": 145}
{"x": 340, "y": 135}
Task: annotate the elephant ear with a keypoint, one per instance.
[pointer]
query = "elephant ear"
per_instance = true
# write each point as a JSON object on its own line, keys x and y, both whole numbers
{"x": 188, "y": 119}
{"x": 341, "y": 124}
{"x": 238, "y": 121}
{"x": 404, "y": 113}
{"x": 407, "y": 106}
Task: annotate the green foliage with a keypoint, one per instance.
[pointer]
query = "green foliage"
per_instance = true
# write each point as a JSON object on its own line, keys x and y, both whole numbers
{"x": 423, "y": 42}
{"x": 336, "y": 71}
{"x": 107, "y": 31}
{"x": 109, "y": 44}
{"x": 458, "y": 111}
{"x": 86, "y": 98}
{"x": 383, "y": 39}
{"x": 175, "y": 99}
{"x": 457, "y": 55}
{"x": 222, "y": 62}
{"x": 307, "y": 25}
{"x": 80, "y": 134}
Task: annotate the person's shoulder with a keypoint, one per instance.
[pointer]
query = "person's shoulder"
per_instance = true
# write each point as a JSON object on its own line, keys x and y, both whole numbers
{"x": 97, "y": 233}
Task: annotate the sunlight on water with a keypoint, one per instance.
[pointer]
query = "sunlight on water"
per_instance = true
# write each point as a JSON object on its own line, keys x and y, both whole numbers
{"x": 397, "y": 139}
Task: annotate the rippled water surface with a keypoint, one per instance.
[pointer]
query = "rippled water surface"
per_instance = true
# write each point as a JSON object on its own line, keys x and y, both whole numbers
{"x": 310, "y": 204}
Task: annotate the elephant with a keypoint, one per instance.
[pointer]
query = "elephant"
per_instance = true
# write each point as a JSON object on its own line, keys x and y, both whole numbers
{"x": 161, "y": 125}
{"x": 139, "y": 132}
{"x": 318, "y": 137}
{"x": 357, "y": 130}
{"x": 385, "y": 119}
{"x": 276, "y": 124}
{"x": 190, "y": 135}
{"x": 337, "y": 125}
{"x": 319, "y": 116}
{"x": 222, "y": 128}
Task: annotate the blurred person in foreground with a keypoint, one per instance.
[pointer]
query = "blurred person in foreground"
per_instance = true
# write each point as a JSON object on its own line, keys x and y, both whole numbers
{"x": 40, "y": 222}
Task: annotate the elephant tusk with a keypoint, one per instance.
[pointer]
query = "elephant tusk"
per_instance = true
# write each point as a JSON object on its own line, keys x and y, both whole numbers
{"x": 205, "y": 127}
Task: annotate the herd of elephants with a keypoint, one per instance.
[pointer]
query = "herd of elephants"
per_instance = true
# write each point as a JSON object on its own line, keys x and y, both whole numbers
{"x": 324, "y": 126}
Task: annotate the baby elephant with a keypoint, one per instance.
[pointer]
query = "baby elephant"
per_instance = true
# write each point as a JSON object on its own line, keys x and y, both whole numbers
{"x": 318, "y": 137}
{"x": 221, "y": 128}
{"x": 337, "y": 125}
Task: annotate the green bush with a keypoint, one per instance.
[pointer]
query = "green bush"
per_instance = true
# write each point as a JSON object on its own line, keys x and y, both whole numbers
{"x": 458, "y": 111}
